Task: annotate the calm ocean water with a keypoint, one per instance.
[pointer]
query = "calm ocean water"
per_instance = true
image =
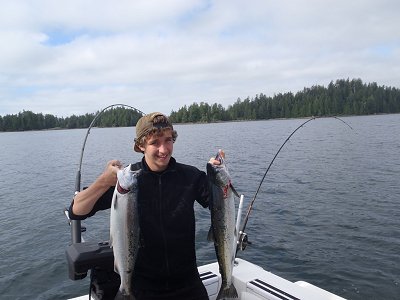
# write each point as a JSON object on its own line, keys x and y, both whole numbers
{"x": 328, "y": 211}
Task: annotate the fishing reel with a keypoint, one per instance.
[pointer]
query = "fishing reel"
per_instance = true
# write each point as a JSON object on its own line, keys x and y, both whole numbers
{"x": 243, "y": 241}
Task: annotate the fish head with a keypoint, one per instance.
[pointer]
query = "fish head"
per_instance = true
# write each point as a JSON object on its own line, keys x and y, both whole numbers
{"x": 127, "y": 178}
{"x": 218, "y": 174}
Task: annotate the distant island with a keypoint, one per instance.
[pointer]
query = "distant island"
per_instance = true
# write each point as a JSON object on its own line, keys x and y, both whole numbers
{"x": 342, "y": 97}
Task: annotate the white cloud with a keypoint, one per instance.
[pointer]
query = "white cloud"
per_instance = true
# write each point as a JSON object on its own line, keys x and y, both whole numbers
{"x": 73, "y": 57}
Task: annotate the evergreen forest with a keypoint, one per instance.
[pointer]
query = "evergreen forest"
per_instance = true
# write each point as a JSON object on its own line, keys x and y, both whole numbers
{"x": 342, "y": 97}
{"x": 27, "y": 120}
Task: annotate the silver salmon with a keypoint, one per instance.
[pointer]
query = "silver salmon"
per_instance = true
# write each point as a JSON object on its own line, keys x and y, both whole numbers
{"x": 124, "y": 232}
{"x": 222, "y": 231}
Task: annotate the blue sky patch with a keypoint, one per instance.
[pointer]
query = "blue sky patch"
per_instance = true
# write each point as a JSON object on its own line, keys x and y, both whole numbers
{"x": 58, "y": 37}
{"x": 383, "y": 50}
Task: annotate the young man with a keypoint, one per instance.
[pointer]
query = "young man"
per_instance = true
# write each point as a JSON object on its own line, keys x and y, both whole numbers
{"x": 166, "y": 263}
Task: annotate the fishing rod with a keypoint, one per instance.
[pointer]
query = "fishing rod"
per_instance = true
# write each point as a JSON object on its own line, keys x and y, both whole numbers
{"x": 243, "y": 239}
{"x": 76, "y": 228}
{"x": 342, "y": 121}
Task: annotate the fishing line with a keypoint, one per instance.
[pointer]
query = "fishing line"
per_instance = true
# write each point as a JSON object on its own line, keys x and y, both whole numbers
{"x": 266, "y": 172}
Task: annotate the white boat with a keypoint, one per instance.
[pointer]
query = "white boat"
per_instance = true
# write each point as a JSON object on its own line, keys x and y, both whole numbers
{"x": 251, "y": 281}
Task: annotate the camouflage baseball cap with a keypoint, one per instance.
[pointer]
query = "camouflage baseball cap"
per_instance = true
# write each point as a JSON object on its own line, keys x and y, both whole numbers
{"x": 148, "y": 123}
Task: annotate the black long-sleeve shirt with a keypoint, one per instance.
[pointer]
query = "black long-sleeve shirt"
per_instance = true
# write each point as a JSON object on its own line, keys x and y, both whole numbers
{"x": 166, "y": 258}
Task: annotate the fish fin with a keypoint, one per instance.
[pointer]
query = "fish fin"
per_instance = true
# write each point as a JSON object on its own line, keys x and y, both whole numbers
{"x": 121, "y": 296}
{"x": 234, "y": 191}
{"x": 210, "y": 236}
{"x": 227, "y": 292}
{"x": 116, "y": 268}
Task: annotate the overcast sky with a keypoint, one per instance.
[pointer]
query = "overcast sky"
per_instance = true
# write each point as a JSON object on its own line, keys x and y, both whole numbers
{"x": 79, "y": 56}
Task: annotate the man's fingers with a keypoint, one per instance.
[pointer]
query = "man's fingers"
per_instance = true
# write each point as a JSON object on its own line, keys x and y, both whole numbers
{"x": 116, "y": 163}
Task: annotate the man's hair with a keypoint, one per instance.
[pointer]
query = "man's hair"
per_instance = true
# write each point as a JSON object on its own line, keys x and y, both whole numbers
{"x": 152, "y": 124}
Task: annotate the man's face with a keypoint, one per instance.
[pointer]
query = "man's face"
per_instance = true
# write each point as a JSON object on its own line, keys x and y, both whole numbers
{"x": 158, "y": 150}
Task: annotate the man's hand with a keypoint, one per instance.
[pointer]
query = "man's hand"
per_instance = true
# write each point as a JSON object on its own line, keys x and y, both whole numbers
{"x": 109, "y": 175}
{"x": 86, "y": 199}
{"x": 215, "y": 160}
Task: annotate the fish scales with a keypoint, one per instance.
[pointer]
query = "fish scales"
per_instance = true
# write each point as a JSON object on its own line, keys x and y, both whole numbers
{"x": 222, "y": 231}
{"x": 124, "y": 232}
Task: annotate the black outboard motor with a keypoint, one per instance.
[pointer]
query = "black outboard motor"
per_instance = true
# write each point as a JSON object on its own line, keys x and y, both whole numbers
{"x": 99, "y": 259}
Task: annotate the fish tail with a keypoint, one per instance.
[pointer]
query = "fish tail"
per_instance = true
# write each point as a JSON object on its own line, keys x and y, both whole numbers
{"x": 227, "y": 292}
{"x": 122, "y": 296}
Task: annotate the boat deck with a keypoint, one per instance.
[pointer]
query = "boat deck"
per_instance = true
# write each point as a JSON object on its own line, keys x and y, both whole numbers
{"x": 254, "y": 283}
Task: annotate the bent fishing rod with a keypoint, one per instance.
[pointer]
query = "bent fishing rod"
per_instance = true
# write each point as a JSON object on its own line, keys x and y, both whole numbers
{"x": 76, "y": 228}
{"x": 243, "y": 240}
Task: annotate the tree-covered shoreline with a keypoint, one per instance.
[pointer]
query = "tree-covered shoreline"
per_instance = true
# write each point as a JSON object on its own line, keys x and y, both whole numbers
{"x": 27, "y": 120}
{"x": 342, "y": 97}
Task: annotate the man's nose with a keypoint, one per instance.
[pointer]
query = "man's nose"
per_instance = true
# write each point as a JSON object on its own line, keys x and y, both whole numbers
{"x": 163, "y": 147}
